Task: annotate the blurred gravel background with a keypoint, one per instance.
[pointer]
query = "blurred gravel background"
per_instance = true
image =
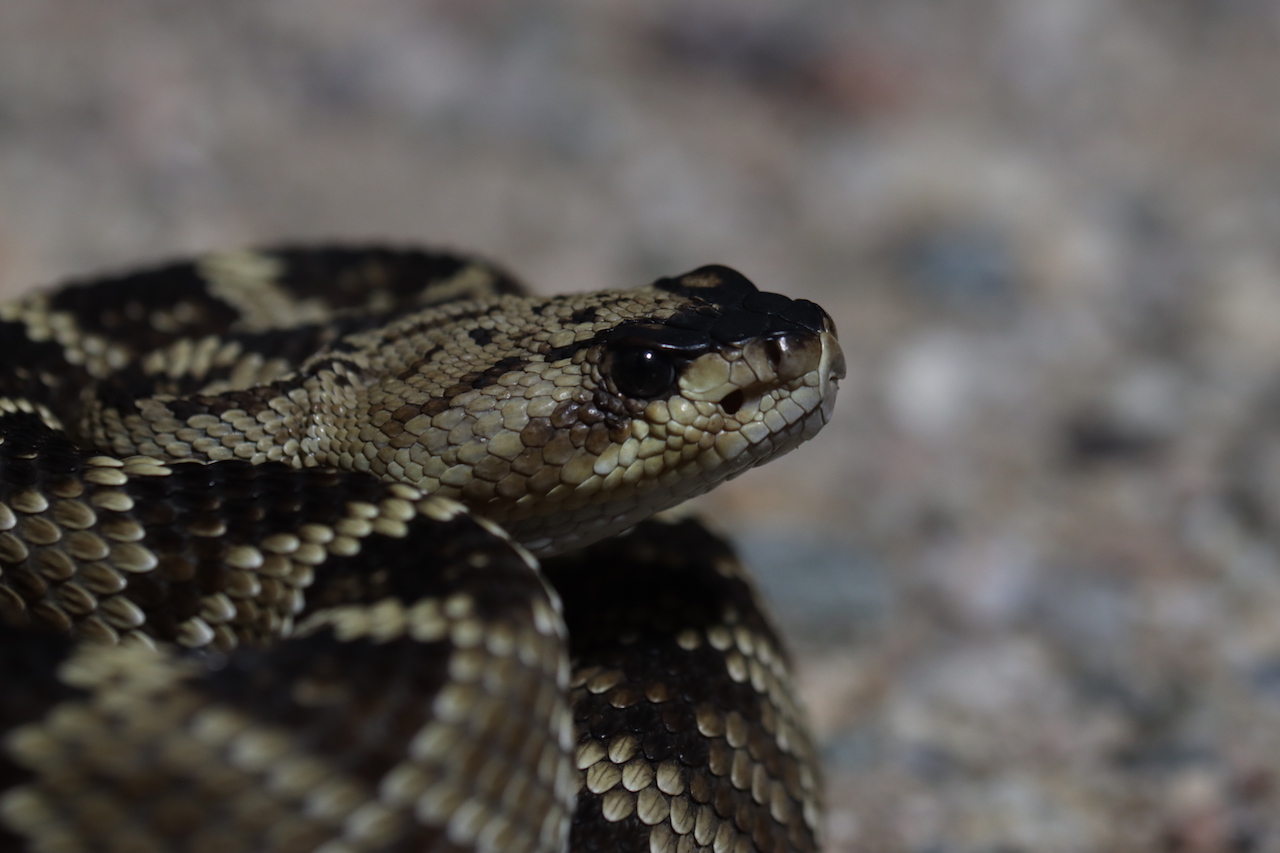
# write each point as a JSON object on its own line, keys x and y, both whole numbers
{"x": 1030, "y": 571}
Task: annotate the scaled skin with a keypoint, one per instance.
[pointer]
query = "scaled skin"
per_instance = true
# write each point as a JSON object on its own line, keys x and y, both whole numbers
{"x": 508, "y": 404}
{"x": 369, "y": 667}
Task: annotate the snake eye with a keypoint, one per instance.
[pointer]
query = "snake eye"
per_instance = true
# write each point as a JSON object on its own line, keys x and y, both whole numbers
{"x": 641, "y": 372}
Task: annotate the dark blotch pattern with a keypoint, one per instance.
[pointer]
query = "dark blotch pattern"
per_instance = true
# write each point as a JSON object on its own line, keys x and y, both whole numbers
{"x": 727, "y": 309}
{"x": 122, "y": 307}
{"x": 346, "y": 277}
{"x": 663, "y": 580}
{"x": 381, "y": 692}
{"x": 37, "y": 370}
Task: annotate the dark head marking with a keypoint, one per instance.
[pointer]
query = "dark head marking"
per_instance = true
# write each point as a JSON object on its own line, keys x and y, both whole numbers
{"x": 716, "y": 284}
{"x": 725, "y": 310}
{"x": 738, "y": 311}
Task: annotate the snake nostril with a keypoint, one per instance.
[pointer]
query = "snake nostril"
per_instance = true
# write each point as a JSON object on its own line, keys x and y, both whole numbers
{"x": 792, "y": 354}
{"x": 775, "y": 350}
{"x": 732, "y": 402}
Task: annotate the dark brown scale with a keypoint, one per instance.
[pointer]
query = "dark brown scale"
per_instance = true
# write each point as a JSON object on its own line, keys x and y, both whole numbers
{"x": 529, "y": 462}
{"x": 565, "y": 415}
{"x": 537, "y": 433}
{"x": 406, "y": 413}
{"x": 598, "y": 439}
{"x": 491, "y": 468}
{"x": 725, "y": 799}
{"x": 618, "y": 411}
{"x": 477, "y": 380}
{"x": 557, "y": 451}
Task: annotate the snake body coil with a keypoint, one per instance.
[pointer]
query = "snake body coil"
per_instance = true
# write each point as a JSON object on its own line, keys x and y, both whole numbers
{"x": 270, "y": 530}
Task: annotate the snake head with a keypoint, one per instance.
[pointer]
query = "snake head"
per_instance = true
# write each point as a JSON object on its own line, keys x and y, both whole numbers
{"x": 691, "y": 381}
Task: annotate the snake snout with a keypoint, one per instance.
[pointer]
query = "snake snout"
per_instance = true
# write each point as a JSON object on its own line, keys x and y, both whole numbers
{"x": 792, "y": 354}
{"x": 832, "y": 367}
{"x": 786, "y": 356}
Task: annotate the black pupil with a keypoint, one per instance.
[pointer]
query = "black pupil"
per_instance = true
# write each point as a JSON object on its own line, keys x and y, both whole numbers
{"x": 643, "y": 372}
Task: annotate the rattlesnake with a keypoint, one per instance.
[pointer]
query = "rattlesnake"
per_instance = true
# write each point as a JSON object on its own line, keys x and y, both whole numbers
{"x": 270, "y": 532}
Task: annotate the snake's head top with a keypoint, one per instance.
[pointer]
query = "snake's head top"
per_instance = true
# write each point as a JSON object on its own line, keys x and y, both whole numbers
{"x": 631, "y": 401}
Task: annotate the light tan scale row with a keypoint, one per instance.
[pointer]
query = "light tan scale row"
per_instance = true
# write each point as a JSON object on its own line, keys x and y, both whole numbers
{"x": 9, "y": 405}
{"x": 198, "y": 357}
{"x": 616, "y": 766}
{"x": 679, "y": 823}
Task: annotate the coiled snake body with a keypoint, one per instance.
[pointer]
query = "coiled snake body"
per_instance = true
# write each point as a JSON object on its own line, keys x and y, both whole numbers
{"x": 270, "y": 529}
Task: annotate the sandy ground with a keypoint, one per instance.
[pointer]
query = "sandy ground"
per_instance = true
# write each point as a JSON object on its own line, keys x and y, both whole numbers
{"x": 1030, "y": 570}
